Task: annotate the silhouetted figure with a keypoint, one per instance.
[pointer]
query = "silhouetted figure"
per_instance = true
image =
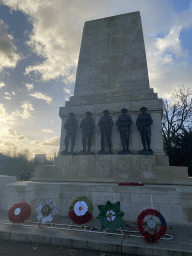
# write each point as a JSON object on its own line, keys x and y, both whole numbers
{"x": 105, "y": 124}
{"x": 143, "y": 122}
{"x": 71, "y": 130}
{"x": 124, "y": 122}
{"x": 87, "y": 125}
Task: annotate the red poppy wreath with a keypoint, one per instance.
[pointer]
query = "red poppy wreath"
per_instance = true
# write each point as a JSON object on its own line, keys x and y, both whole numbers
{"x": 81, "y": 210}
{"x": 154, "y": 235}
{"x": 19, "y": 212}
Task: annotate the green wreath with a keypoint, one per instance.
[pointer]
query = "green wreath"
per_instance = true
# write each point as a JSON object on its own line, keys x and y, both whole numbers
{"x": 110, "y": 216}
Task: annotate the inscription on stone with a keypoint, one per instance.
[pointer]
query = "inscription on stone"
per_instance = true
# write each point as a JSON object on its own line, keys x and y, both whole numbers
{"x": 112, "y": 55}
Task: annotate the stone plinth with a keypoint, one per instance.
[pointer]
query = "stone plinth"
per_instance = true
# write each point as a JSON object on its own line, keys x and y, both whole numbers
{"x": 113, "y": 169}
{"x": 4, "y": 179}
{"x": 173, "y": 202}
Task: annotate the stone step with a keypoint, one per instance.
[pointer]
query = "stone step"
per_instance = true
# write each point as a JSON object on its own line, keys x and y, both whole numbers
{"x": 101, "y": 100}
{"x": 113, "y": 169}
{"x": 113, "y": 94}
{"x": 133, "y": 107}
{"x": 120, "y": 88}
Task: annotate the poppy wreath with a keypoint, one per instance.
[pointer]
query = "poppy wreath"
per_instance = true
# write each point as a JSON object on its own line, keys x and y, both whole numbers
{"x": 110, "y": 216}
{"x": 151, "y": 237}
{"x": 131, "y": 184}
{"x": 19, "y": 212}
{"x": 81, "y": 210}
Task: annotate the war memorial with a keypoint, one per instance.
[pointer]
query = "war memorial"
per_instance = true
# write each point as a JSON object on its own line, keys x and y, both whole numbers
{"x": 111, "y": 133}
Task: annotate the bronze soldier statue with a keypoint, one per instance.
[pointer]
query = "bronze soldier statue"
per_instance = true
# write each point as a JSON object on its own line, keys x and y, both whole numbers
{"x": 71, "y": 130}
{"x": 87, "y": 125}
{"x": 123, "y": 122}
{"x": 143, "y": 122}
{"x": 105, "y": 124}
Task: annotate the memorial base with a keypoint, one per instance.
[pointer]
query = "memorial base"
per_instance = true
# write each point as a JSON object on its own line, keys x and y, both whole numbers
{"x": 148, "y": 169}
{"x": 98, "y": 176}
{"x": 173, "y": 202}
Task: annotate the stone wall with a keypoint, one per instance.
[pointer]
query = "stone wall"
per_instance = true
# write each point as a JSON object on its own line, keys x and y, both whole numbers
{"x": 173, "y": 202}
{"x": 3, "y": 181}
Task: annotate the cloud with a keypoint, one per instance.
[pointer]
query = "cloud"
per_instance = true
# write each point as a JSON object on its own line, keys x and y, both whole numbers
{"x": 168, "y": 63}
{"x": 34, "y": 142}
{"x": 7, "y": 93}
{"x": 27, "y": 109}
{"x": 69, "y": 79}
{"x": 7, "y": 98}
{"x": 48, "y": 131}
{"x": 8, "y": 51}
{"x": 51, "y": 142}
{"x": 66, "y": 90}
{"x": 8, "y": 131}
{"x": 41, "y": 96}
{"x": 57, "y": 30}
{"x": 38, "y": 151}
{"x": 171, "y": 43}
{"x": 9, "y": 143}
{"x": 3, "y": 149}
{"x": 21, "y": 138}
{"x": 4, "y": 116}
{"x": 29, "y": 86}
{"x": 2, "y": 111}
{"x": 2, "y": 84}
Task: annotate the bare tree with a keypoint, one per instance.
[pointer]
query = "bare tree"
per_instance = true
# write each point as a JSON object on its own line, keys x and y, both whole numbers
{"x": 177, "y": 112}
{"x": 52, "y": 154}
{"x": 12, "y": 151}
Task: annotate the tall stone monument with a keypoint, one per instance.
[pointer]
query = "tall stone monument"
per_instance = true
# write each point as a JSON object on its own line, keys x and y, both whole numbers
{"x": 112, "y": 76}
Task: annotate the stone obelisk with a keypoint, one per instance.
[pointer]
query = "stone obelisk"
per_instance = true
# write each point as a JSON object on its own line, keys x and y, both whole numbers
{"x": 112, "y": 57}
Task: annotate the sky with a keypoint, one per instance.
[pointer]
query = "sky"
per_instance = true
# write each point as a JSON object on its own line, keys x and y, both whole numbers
{"x": 39, "y": 48}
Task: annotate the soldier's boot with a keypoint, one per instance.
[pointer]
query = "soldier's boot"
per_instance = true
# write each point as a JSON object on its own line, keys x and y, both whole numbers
{"x": 84, "y": 148}
{"x": 109, "y": 145}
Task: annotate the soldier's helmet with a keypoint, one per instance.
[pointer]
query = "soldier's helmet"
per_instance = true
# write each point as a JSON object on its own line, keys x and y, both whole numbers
{"x": 88, "y": 113}
{"x": 124, "y": 110}
{"x": 143, "y": 108}
{"x": 106, "y": 111}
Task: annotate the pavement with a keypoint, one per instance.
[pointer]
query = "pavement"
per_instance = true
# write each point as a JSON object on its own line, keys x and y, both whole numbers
{"x": 180, "y": 244}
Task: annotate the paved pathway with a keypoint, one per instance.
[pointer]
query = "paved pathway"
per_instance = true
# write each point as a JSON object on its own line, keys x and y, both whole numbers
{"x": 15, "y": 248}
{"x": 180, "y": 245}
